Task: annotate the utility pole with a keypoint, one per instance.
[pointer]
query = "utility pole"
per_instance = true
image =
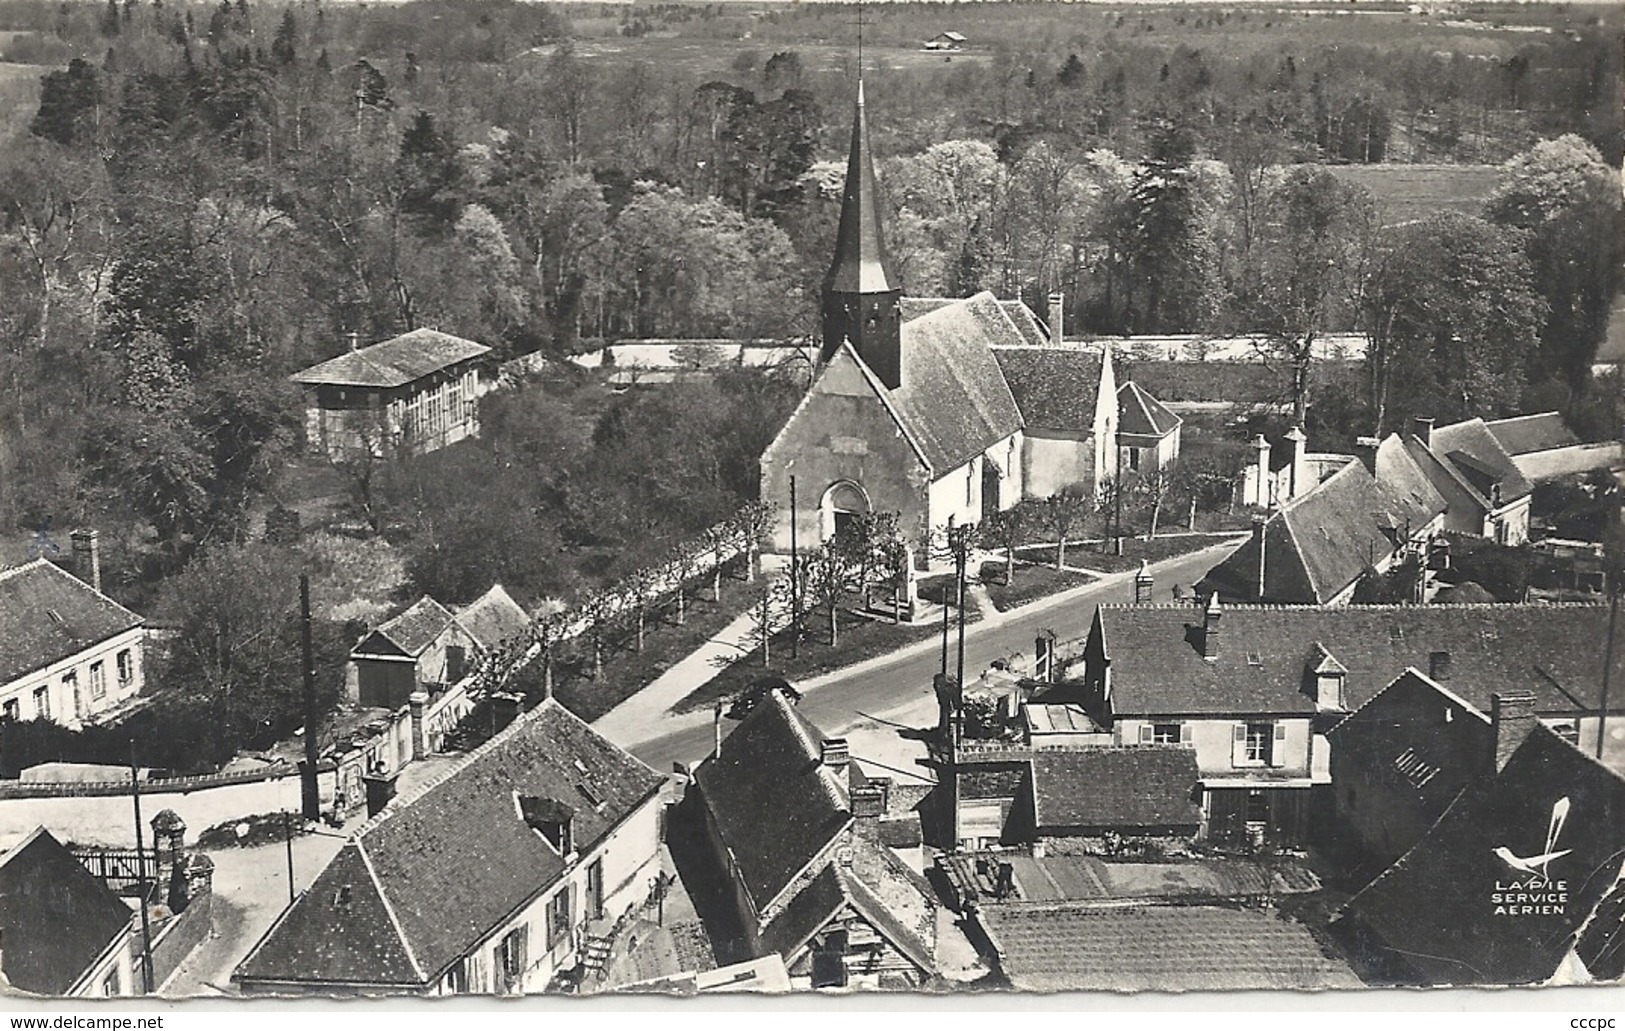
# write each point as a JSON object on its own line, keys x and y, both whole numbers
{"x": 949, "y": 538}
{"x": 287, "y": 836}
{"x": 795, "y": 576}
{"x": 141, "y": 876}
{"x": 1607, "y": 661}
{"x": 310, "y": 793}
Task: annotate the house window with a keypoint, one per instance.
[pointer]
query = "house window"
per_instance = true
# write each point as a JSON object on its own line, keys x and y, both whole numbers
{"x": 558, "y": 918}
{"x": 110, "y": 985}
{"x": 1258, "y": 808}
{"x": 512, "y": 960}
{"x": 1258, "y": 744}
{"x": 1134, "y": 458}
{"x": 595, "y": 889}
{"x": 42, "y": 703}
{"x": 456, "y": 663}
{"x": 970, "y": 482}
{"x": 1165, "y": 733}
{"x": 98, "y": 679}
{"x": 126, "y": 668}
{"x": 12, "y": 711}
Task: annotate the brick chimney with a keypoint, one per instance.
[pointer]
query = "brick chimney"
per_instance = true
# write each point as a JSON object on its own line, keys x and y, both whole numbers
{"x": 835, "y": 753}
{"x": 1262, "y": 471}
{"x": 1365, "y": 449}
{"x": 1057, "y": 317}
{"x": 355, "y": 340}
{"x": 1439, "y": 665}
{"x": 380, "y": 787}
{"x": 1210, "y": 627}
{"x": 87, "y": 557}
{"x": 1422, "y": 429}
{"x": 1299, "y": 473}
{"x": 1512, "y": 717}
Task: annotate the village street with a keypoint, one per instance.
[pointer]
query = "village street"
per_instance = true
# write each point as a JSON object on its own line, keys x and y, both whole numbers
{"x": 896, "y": 686}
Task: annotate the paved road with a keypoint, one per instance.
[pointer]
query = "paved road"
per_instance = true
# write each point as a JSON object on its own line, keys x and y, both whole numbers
{"x": 882, "y": 686}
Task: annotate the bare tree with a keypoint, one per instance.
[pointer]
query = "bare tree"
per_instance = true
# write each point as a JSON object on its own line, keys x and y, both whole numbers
{"x": 1004, "y": 531}
{"x": 1063, "y": 511}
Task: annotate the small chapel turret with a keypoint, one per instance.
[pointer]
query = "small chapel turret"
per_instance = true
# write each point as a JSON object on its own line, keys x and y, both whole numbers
{"x": 862, "y": 294}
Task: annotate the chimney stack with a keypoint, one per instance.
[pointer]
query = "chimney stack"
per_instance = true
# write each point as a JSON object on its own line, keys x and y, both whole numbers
{"x": 1210, "y": 628}
{"x": 1365, "y": 449}
{"x": 380, "y": 787}
{"x": 1299, "y": 472}
{"x": 1422, "y": 429}
{"x": 716, "y": 730}
{"x": 1439, "y": 665}
{"x": 355, "y": 340}
{"x": 1260, "y": 524}
{"x": 87, "y": 557}
{"x": 1057, "y": 317}
{"x": 1512, "y": 717}
{"x": 835, "y": 753}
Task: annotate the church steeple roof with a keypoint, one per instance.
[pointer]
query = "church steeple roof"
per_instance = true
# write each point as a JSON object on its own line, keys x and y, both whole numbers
{"x": 861, "y": 264}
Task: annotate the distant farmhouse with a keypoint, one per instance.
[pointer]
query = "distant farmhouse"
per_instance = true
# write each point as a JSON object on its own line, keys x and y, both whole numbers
{"x": 943, "y": 411}
{"x": 68, "y": 653}
{"x": 411, "y": 394}
{"x": 945, "y": 41}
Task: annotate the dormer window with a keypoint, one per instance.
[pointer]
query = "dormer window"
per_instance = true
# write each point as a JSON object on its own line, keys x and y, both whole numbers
{"x": 1328, "y": 677}
{"x": 551, "y": 819}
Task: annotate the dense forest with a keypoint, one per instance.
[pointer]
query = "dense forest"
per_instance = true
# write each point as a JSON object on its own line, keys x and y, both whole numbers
{"x": 197, "y": 200}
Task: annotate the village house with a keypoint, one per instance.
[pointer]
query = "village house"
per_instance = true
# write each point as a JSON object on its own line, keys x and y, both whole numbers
{"x": 942, "y": 411}
{"x": 428, "y": 648}
{"x": 1147, "y": 432}
{"x": 411, "y": 394}
{"x": 1369, "y": 515}
{"x": 947, "y": 40}
{"x": 793, "y": 825}
{"x": 1544, "y": 448}
{"x": 62, "y": 932}
{"x": 496, "y": 879}
{"x": 1518, "y": 877}
{"x": 1485, "y": 494}
{"x": 1255, "y": 689}
{"x": 68, "y": 653}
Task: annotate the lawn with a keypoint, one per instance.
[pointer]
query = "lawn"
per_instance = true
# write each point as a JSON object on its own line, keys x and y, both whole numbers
{"x": 859, "y": 638}
{"x": 1087, "y": 555}
{"x": 1031, "y": 583}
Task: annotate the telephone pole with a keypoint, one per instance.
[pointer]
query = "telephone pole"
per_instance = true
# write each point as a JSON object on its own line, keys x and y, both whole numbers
{"x": 310, "y": 792}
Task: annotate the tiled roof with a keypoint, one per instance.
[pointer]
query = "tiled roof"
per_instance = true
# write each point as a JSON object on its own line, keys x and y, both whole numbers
{"x": 1135, "y": 786}
{"x": 56, "y": 919}
{"x": 48, "y": 614}
{"x": 775, "y": 804}
{"x": 1264, "y": 652}
{"x": 1026, "y": 322}
{"x": 1319, "y": 543}
{"x": 953, "y": 400}
{"x": 394, "y": 362}
{"x": 1527, "y": 434}
{"x": 449, "y": 865}
{"x": 1241, "y": 383}
{"x": 1140, "y": 413}
{"x": 1054, "y": 948}
{"x": 493, "y": 618}
{"x": 1055, "y": 387}
{"x": 1434, "y": 906}
{"x": 1480, "y": 459}
{"x": 410, "y": 632}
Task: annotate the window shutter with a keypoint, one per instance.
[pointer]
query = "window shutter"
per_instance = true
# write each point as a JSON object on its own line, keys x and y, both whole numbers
{"x": 1238, "y": 747}
{"x": 1278, "y": 749}
{"x": 1146, "y": 731}
{"x": 1186, "y": 733}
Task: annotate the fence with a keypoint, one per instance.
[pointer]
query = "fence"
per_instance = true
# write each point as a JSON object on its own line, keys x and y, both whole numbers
{"x": 120, "y": 868}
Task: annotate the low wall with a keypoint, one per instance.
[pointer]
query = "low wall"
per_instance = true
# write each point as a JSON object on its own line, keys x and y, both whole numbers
{"x": 1566, "y": 461}
{"x": 101, "y": 814}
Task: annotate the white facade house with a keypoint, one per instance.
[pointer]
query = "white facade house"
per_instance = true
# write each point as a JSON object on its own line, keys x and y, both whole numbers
{"x": 68, "y": 653}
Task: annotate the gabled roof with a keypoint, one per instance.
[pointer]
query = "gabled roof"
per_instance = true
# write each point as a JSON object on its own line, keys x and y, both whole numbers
{"x": 410, "y": 632}
{"x": 953, "y": 399}
{"x": 449, "y": 865}
{"x": 493, "y": 618}
{"x": 1080, "y": 947}
{"x": 1527, "y": 434}
{"x": 1021, "y": 316}
{"x": 394, "y": 362}
{"x": 1140, "y": 413}
{"x": 1319, "y": 543}
{"x": 861, "y": 263}
{"x": 775, "y": 804}
{"x": 1129, "y": 787}
{"x": 1435, "y": 906}
{"x": 48, "y": 614}
{"x": 878, "y": 888}
{"x": 1056, "y": 388}
{"x": 56, "y": 919}
{"x": 1478, "y": 459}
{"x": 1157, "y": 669}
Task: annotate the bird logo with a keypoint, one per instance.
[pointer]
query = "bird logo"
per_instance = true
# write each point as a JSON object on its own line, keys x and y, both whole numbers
{"x": 1537, "y": 865}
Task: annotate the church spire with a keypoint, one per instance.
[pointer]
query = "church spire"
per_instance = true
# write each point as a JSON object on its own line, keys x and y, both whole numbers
{"x": 861, "y": 292}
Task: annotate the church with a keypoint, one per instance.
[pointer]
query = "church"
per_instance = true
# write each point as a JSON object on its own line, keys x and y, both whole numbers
{"x": 942, "y": 411}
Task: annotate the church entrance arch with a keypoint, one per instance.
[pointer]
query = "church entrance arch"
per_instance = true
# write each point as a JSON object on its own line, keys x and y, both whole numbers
{"x": 843, "y": 504}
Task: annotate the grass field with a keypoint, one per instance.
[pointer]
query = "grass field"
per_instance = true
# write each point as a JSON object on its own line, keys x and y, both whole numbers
{"x": 1404, "y": 193}
{"x": 707, "y": 57}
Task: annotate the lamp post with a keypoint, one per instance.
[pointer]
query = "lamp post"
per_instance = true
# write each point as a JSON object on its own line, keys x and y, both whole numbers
{"x": 141, "y": 876}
